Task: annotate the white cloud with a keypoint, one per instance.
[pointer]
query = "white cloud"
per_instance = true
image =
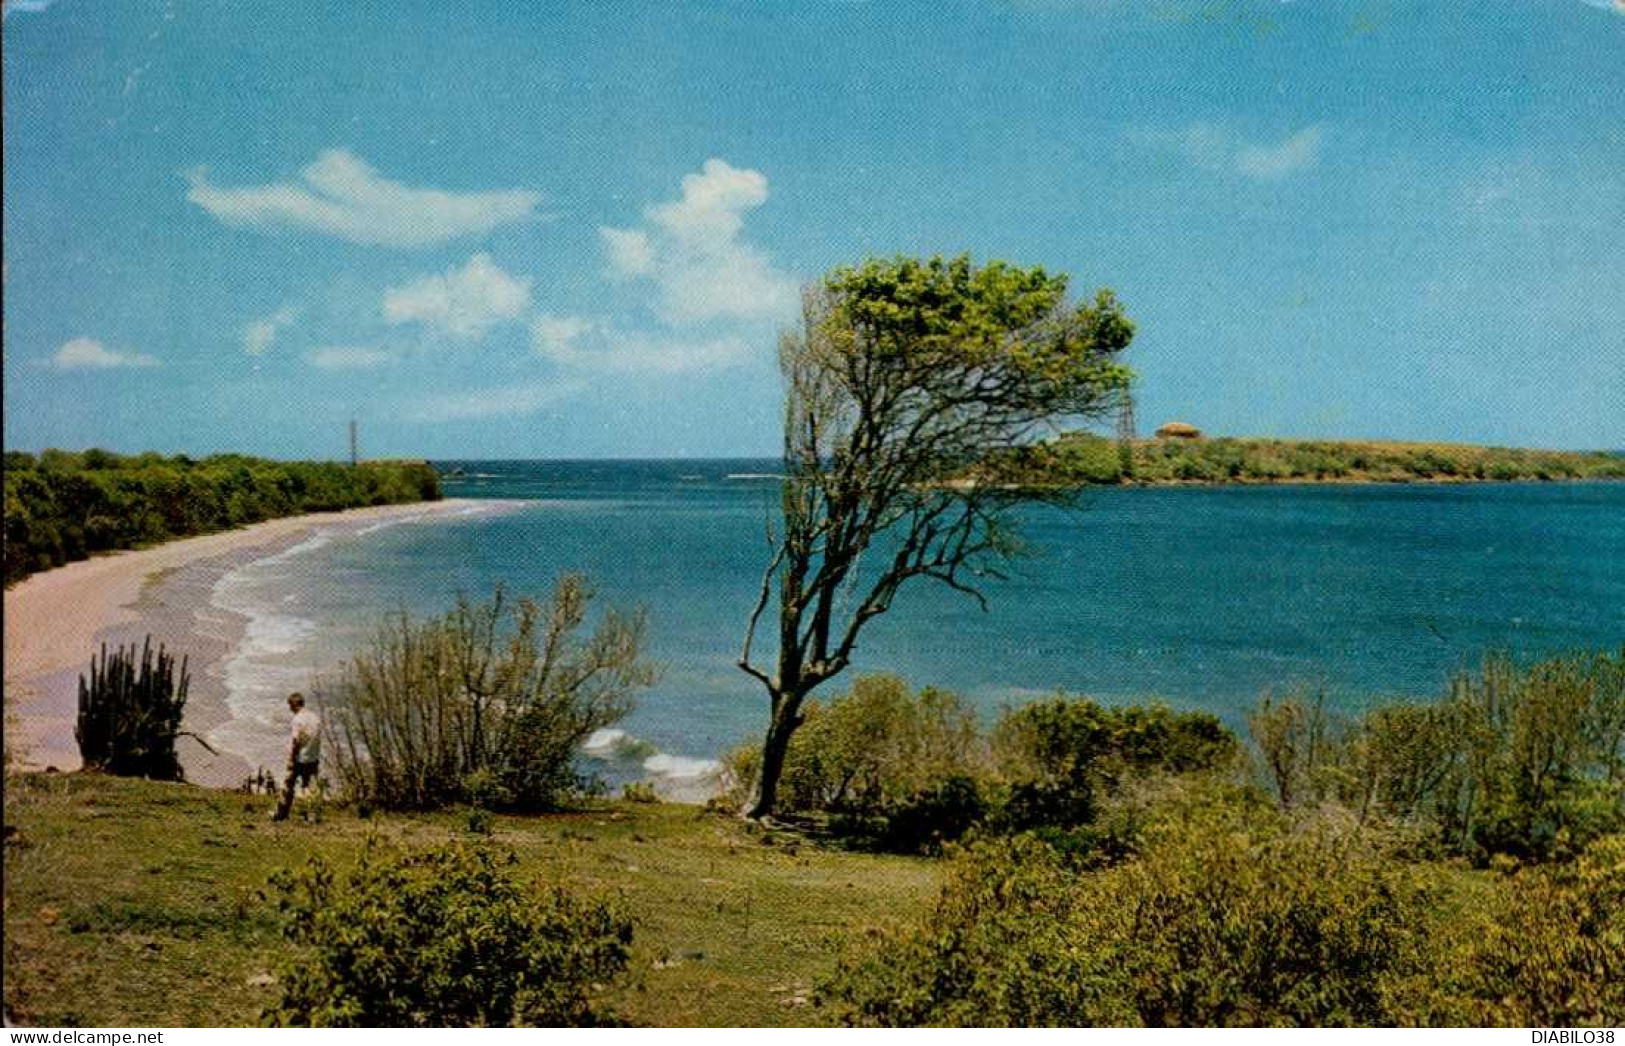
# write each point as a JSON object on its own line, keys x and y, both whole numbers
{"x": 1616, "y": 6}
{"x": 691, "y": 250}
{"x": 462, "y": 303}
{"x": 1215, "y": 148}
{"x": 258, "y": 335}
{"x": 348, "y": 357}
{"x": 90, "y": 354}
{"x": 556, "y": 337}
{"x": 509, "y": 400}
{"x": 590, "y": 345}
{"x": 1297, "y": 153}
{"x": 630, "y": 252}
{"x": 342, "y": 196}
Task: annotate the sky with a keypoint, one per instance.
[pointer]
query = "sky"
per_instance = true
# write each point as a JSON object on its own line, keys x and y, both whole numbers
{"x": 574, "y": 230}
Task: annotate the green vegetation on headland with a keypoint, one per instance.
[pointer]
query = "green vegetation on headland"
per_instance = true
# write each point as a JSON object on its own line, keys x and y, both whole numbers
{"x": 63, "y": 506}
{"x": 1081, "y": 458}
{"x": 1453, "y": 862}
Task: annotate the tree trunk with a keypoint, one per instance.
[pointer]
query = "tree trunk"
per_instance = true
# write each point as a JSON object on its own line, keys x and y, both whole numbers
{"x": 774, "y": 748}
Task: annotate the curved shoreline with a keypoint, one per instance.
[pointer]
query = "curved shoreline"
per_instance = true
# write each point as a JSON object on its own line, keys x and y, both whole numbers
{"x": 56, "y": 620}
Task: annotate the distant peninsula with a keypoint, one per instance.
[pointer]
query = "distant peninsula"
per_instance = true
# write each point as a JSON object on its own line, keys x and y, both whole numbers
{"x": 1181, "y": 457}
{"x": 63, "y": 506}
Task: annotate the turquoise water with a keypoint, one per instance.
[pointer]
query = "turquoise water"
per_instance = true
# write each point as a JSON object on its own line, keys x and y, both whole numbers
{"x": 1203, "y": 597}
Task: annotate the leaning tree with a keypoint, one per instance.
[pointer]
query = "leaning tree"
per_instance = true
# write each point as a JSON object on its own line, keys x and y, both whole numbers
{"x": 912, "y": 389}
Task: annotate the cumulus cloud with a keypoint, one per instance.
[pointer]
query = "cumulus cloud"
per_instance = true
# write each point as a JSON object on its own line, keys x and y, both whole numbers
{"x": 348, "y": 357}
{"x": 462, "y": 303}
{"x": 90, "y": 354}
{"x": 1616, "y": 6}
{"x": 505, "y": 401}
{"x": 1215, "y": 148}
{"x": 691, "y": 250}
{"x": 340, "y": 195}
{"x": 630, "y": 252}
{"x": 591, "y": 345}
{"x": 261, "y": 333}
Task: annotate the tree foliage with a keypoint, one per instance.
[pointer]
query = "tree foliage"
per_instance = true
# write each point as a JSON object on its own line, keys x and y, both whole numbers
{"x": 63, "y": 506}
{"x": 488, "y": 704}
{"x": 442, "y": 938}
{"x": 909, "y": 387}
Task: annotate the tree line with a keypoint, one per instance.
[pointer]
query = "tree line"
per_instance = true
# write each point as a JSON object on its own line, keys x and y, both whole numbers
{"x": 1082, "y": 458}
{"x": 62, "y": 506}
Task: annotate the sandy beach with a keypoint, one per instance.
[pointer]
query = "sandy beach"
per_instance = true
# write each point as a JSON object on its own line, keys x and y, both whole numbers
{"x": 57, "y": 620}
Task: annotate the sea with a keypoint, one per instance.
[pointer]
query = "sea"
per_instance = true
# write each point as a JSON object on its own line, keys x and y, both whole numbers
{"x": 1199, "y": 597}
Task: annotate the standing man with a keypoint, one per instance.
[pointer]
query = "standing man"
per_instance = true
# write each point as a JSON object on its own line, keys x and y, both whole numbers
{"x": 304, "y": 753}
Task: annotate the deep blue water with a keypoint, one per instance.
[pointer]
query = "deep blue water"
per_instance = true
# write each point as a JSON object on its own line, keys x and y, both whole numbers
{"x": 1203, "y": 597}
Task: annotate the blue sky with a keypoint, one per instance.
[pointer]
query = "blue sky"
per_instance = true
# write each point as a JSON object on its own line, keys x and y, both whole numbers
{"x": 490, "y": 230}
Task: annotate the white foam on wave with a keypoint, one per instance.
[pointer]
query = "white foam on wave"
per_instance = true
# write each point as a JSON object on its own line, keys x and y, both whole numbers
{"x": 664, "y": 764}
{"x": 267, "y": 663}
{"x": 676, "y": 778}
{"x": 258, "y": 674}
{"x": 605, "y": 743}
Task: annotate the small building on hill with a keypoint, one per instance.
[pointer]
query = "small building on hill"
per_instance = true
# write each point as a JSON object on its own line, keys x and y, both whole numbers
{"x": 1179, "y": 430}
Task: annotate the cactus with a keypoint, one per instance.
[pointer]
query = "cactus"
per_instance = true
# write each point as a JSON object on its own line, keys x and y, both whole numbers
{"x": 130, "y": 713}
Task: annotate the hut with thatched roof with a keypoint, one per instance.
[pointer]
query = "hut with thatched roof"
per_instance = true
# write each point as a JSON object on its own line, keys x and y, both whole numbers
{"x": 1179, "y": 430}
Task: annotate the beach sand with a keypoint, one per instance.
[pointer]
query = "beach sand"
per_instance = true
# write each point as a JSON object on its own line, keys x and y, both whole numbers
{"x": 56, "y": 621}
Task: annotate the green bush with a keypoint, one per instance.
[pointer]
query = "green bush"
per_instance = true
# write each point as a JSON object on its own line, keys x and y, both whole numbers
{"x": 1222, "y": 919}
{"x": 1056, "y": 756}
{"x": 910, "y": 771}
{"x": 487, "y": 705}
{"x": 877, "y": 753}
{"x": 1528, "y": 762}
{"x": 442, "y": 938}
{"x": 1551, "y": 951}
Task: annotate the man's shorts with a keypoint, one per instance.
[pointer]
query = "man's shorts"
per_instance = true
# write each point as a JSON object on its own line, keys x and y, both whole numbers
{"x": 304, "y": 774}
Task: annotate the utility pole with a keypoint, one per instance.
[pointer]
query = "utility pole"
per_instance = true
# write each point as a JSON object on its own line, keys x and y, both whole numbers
{"x": 1126, "y": 433}
{"x": 354, "y": 457}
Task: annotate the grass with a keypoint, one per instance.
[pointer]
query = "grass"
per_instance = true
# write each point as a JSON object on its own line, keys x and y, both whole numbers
{"x": 141, "y": 904}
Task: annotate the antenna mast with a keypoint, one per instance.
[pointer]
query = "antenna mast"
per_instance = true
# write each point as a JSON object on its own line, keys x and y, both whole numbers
{"x": 1125, "y": 419}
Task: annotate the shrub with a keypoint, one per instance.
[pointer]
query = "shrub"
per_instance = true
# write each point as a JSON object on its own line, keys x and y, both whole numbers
{"x": 441, "y": 938}
{"x": 935, "y": 815}
{"x": 130, "y": 713}
{"x": 639, "y": 792}
{"x": 1297, "y": 739}
{"x": 1220, "y": 921}
{"x": 1057, "y": 755}
{"x": 1538, "y": 764}
{"x": 1552, "y": 953}
{"x": 1528, "y": 762}
{"x": 487, "y": 705}
{"x": 877, "y": 753}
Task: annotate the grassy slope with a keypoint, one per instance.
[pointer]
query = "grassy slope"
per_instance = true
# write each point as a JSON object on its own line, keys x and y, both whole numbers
{"x": 134, "y": 903}
{"x": 1088, "y": 459}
